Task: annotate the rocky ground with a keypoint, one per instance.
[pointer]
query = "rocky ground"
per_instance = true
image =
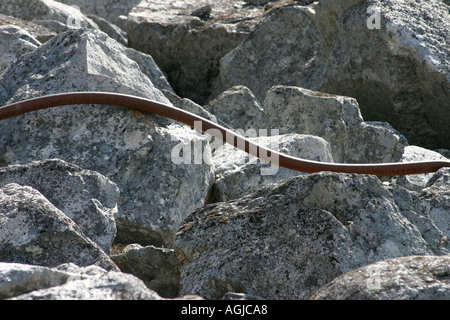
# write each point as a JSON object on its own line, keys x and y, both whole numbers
{"x": 97, "y": 203}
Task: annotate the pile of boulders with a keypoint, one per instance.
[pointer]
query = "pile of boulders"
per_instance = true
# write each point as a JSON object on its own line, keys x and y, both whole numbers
{"x": 102, "y": 202}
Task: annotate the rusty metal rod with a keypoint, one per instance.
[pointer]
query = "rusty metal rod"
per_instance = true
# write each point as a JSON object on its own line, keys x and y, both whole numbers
{"x": 226, "y": 135}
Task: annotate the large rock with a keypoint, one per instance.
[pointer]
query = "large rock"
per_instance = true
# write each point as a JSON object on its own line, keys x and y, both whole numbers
{"x": 70, "y": 282}
{"x": 86, "y": 197}
{"x": 52, "y": 14}
{"x": 157, "y": 267}
{"x": 417, "y": 182}
{"x": 111, "y": 10}
{"x": 399, "y": 73}
{"x": 239, "y": 109}
{"x": 186, "y": 42}
{"x": 132, "y": 149}
{"x": 335, "y": 118}
{"x": 405, "y": 278}
{"x": 238, "y": 174}
{"x": 435, "y": 200}
{"x": 14, "y": 42}
{"x": 279, "y": 46}
{"x": 41, "y": 33}
{"x": 34, "y": 231}
{"x": 149, "y": 68}
{"x": 287, "y": 240}
{"x": 17, "y": 279}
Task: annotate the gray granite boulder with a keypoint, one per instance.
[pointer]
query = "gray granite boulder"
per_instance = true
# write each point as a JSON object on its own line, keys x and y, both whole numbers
{"x": 156, "y": 267}
{"x": 404, "y": 278}
{"x": 186, "y": 43}
{"x": 34, "y": 231}
{"x": 398, "y": 71}
{"x": 132, "y": 149}
{"x": 70, "y": 282}
{"x": 238, "y": 174}
{"x": 335, "y": 118}
{"x": 288, "y": 239}
{"x": 52, "y": 14}
{"x": 86, "y": 197}
{"x": 14, "y": 42}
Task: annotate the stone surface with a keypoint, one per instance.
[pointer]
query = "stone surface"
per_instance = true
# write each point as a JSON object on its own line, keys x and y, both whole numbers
{"x": 398, "y": 73}
{"x": 70, "y": 282}
{"x": 335, "y": 118}
{"x": 283, "y": 43}
{"x": 149, "y": 68}
{"x": 157, "y": 267}
{"x": 237, "y": 174}
{"x": 34, "y": 231}
{"x": 102, "y": 286}
{"x": 110, "y": 10}
{"x": 435, "y": 200}
{"x": 110, "y": 29}
{"x": 287, "y": 240}
{"x": 17, "y": 279}
{"x": 132, "y": 149}
{"x": 417, "y": 182}
{"x": 238, "y": 108}
{"x": 14, "y": 42}
{"x": 189, "y": 105}
{"x": 86, "y": 197}
{"x": 310, "y": 69}
{"x": 405, "y": 278}
{"x": 41, "y": 33}
{"x": 188, "y": 47}
{"x": 53, "y": 14}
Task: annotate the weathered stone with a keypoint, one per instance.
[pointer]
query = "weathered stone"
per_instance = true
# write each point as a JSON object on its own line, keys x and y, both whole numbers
{"x": 280, "y": 45}
{"x": 416, "y": 208}
{"x": 189, "y": 105}
{"x": 416, "y": 182}
{"x": 238, "y": 108}
{"x": 64, "y": 17}
{"x": 240, "y": 296}
{"x": 186, "y": 47}
{"x": 404, "y": 278}
{"x": 110, "y": 29}
{"x": 399, "y": 72}
{"x": 41, "y": 33}
{"x": 157, "y": 267}
{"x": 70, "y": 282}
{"x": 435, "y": 200}
{"x": 17, "y": 279}
{"x": 335, "y": 118}
{"x": 110, "y": 10}
{"x": 287, "y": 240}
{"x": 238, "y": 174}
{"x": 132, "y": 149}
{"x": 14, "y": 42}
{"x": 149, "y": 68}
{"x": 107, "y": 286}
{"x": 86, "y": 197}
{"x": 33, "y": 231}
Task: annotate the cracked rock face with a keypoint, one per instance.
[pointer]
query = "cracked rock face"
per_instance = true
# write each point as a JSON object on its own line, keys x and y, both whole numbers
{"x": 405, "y": 278}
{"x": 130, "y": 148}
{"x": 33, "y": 231}
{"x": 187, "y": 42}
{"x": 287, "y": 240}
{"x": 86, "y": 197}
{"x": 399, "y": 73}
